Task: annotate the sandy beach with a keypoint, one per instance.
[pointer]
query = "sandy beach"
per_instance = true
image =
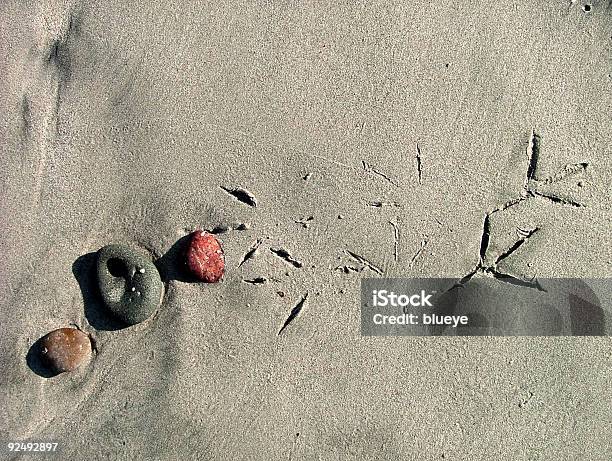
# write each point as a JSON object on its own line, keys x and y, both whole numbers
{"x": 366, "y": 139}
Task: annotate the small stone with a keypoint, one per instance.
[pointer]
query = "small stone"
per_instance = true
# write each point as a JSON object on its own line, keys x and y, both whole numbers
{"x": 205, "y": 257}
{"x": 65, "y": 349}
{"x": 123, "y": 273}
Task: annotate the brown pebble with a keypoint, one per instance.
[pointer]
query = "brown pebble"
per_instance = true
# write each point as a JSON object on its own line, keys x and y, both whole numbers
{"x": 65, "y": 349}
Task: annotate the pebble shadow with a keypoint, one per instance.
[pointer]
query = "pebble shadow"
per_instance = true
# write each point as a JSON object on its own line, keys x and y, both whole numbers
{"x": 33, "y": 359}
{"x": 172, "y": 265}
{"x": 84, "y": 271}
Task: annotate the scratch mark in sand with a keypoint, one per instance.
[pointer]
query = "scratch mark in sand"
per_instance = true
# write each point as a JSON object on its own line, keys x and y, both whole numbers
{"x": 241, "y": 195}
{"x": 256, "y": 281}
{"x": 554, "y": 199}
{"x": 419, "y": 164}
{"x": 379, "y": 204}
{"x": 251, "y": 252}
{"x": 532, "y": 152}
{"x": 285, "y": 256}
{"x": 484, "y": 238}
{"x": 525, "y": 235}
{"x": 365, "y": 262}
{"x": 335, "y": 162}
{"x": 294, "y": 313}
{"x": 348, "y": 269}
{"x": 424, "y": 243}
{"x": 396, "y": 237}
{"x": 369, "y": 169}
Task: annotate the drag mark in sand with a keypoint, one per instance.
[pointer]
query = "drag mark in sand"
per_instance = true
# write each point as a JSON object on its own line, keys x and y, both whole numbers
{"x": 370, "y": 169}
{"x": 532, "y": 152}
{"x": 512, "y": 280}
{"x": 419, "y": 164}
{"x": 524, "y": 236}
{"x": 294, "y": 313}
{"x": 242, "y": 195}
{"x": 251, "y": 253}
{"x": 484, "y": 238}
{"x": 348, "y": 269}
{"x": 555, "y": 199}
{"x": 416, "y": 256}
{"x": 361, "y": 260}
{"x": 509, "y": 204}
{"x": 49, "y": 74}
{"x": 379, "y": 204}
{"x": 286, "y": 256}
{"x": 256, "y": 281}
{"x": 224, "y": 228}
{"x": 396, "y": 237}
{"x": 58, "y": 62}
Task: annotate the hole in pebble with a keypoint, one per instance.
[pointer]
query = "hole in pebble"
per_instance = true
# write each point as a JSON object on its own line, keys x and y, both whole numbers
{"x": 117, "y": 267}
{"x": 587, "y": 8}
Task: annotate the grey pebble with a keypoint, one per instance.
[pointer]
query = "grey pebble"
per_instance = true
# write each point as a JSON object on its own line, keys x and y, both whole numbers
{"x": 121, "y": 271}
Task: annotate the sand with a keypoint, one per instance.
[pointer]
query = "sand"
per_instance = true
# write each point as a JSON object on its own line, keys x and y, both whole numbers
{"x": 123, "y": 122}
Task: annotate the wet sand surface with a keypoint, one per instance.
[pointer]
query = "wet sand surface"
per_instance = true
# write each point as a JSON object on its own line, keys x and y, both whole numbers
{"x": 335, "y": 141}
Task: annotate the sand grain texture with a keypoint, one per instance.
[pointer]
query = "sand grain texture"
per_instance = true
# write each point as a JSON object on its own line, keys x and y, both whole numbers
{"x": 128, "y": 123}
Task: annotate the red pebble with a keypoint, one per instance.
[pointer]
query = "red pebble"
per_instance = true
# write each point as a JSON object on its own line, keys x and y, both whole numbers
{"x": 205, "y": 257}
